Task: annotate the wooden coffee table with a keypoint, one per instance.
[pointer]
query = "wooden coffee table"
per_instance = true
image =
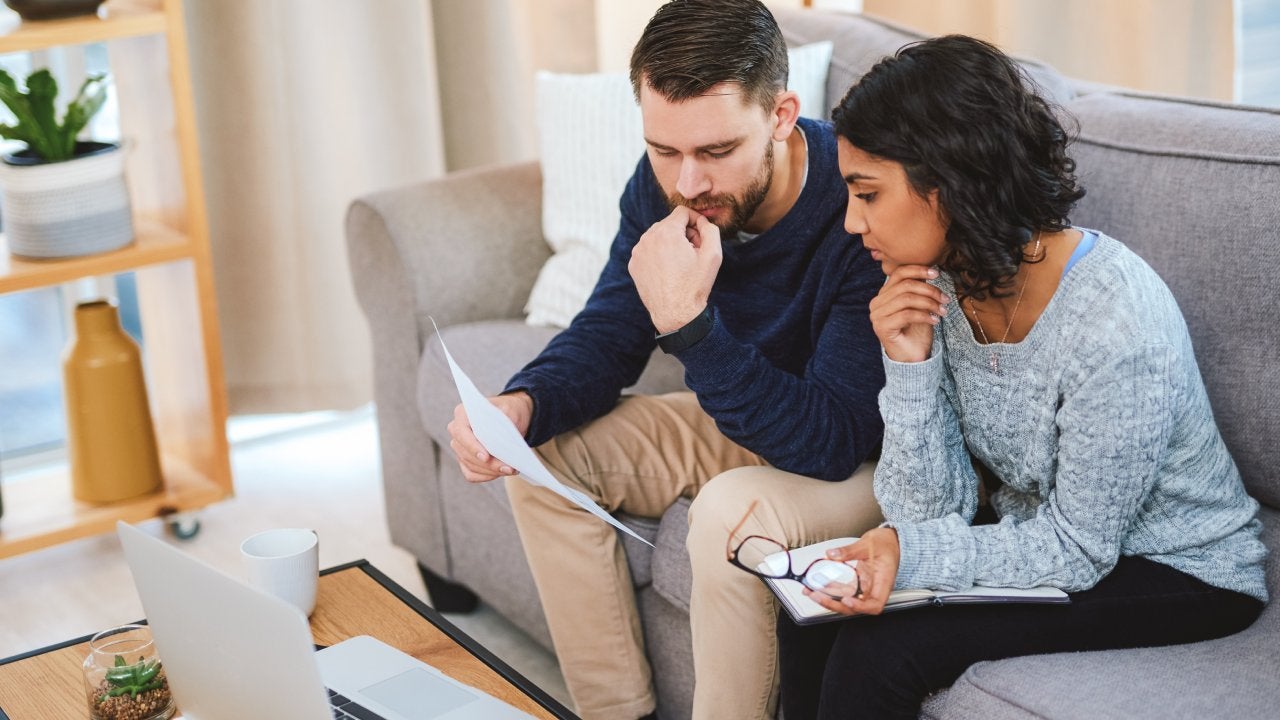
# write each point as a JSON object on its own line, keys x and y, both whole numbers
{"x": 353, "y": 599}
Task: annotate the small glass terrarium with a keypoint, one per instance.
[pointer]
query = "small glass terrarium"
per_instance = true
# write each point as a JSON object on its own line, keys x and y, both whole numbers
{"x": 124, "y": 677}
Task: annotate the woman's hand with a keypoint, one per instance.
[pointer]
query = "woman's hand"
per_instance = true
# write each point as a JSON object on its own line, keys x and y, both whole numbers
{"x": 904, "y": 312}
{"x": 877, "y": 555}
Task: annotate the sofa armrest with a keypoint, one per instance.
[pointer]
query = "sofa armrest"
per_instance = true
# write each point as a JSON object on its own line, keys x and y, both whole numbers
{"x": 462, "y": 248}
{"x": 469, "y": 244}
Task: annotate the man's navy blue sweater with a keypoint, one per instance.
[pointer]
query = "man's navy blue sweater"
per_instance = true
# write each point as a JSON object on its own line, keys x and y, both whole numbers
{"x": 791, "y": 369}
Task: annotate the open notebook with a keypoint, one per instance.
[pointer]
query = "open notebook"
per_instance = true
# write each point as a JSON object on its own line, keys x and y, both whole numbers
{"x": 804, "y": 611}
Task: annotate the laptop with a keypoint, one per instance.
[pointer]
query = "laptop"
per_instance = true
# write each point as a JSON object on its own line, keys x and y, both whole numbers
{"x": 232, "y": 652}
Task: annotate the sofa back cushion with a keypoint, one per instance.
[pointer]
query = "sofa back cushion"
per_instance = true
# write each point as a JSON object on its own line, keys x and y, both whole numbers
{"x": 861, "y": 41}
{"x": 1194, "y": 188}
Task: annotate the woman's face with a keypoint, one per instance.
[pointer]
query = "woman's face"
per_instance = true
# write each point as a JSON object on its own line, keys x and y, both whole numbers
{"x": 898, "y": 226}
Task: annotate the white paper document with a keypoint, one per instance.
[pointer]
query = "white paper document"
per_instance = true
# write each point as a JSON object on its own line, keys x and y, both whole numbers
{"x": 500, "y": 437}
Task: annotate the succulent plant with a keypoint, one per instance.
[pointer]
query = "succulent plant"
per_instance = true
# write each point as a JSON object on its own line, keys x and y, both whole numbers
{"x": 37, "y": 123}
{"x": 134, "y": 679}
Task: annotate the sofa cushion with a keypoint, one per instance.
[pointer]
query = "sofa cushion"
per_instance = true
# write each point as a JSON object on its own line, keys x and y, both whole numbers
{"x": 669, "y": 644}
{"x": 589, "y": 138}
{"x": 1230, "y": 677}
{"x": 861, "y": 41}
{"x": 1191, "y": 187}
{"x": 673, "y": 573}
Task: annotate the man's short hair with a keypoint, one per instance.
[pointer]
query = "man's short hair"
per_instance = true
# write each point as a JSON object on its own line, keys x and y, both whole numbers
{"x": 690, "y": 46}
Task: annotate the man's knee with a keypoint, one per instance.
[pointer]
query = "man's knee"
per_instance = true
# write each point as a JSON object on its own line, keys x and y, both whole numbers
{"x": 725, "y": 498}
{"x": 723, "y": 502}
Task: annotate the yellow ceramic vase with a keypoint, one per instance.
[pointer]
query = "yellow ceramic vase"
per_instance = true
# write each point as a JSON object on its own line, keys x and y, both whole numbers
{"x": 110, "y": 439}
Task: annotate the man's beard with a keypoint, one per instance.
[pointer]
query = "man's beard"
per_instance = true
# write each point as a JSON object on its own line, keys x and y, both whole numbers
{"x": 740, "y": 208}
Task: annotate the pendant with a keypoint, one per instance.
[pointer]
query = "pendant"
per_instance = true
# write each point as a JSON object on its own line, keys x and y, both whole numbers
{"x": 995, "y": 363}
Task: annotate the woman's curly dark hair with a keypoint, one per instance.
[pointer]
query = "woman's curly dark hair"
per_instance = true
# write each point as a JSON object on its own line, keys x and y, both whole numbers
{"x": 962, "y": 118}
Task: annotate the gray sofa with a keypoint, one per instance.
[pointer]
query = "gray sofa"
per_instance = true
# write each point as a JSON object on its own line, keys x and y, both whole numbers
{"x": 1193, "y": 187}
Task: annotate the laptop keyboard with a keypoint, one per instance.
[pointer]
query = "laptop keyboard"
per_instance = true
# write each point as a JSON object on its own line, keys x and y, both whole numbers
{"x": 346, "y": 709}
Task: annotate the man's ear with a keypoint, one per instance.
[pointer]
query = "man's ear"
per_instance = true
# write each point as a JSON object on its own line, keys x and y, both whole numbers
{"x": 786, "y": 110}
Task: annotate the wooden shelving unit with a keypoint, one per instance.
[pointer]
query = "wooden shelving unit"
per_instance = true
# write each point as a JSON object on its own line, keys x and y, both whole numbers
{"x": 118, "y": 20}
{"x": 147, "y": 47}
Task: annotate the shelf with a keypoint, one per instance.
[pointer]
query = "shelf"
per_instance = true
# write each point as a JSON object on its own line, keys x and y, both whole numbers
{"x": 114, "y": 20}
{"x": 155, "y": 243}
{"x": 176, "y": 300}
{"x": 39, "y": 511}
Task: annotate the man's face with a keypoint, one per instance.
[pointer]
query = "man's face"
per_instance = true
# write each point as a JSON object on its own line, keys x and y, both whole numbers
{"x": 712, "y": 153}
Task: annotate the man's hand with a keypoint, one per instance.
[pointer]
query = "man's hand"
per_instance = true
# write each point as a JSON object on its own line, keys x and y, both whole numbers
{"x": 674, "y": 265}
{"x": 904, "y": 312}
{"x": 476, "y": 462}
{"x": 877, "y": 554}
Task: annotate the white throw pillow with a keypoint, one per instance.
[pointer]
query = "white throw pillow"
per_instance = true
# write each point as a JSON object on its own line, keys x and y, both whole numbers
{"x": 590, "y": 138}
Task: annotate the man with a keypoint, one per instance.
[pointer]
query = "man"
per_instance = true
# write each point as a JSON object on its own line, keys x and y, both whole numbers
{"x": 731, "y": 256}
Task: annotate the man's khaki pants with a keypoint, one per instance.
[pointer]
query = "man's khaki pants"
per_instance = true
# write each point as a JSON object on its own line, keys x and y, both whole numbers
{"x": 638, "y": 459}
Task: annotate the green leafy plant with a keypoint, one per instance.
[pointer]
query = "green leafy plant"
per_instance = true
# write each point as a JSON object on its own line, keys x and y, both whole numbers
{"x": 134, "y": 679}
{"x": 37, "y": 124}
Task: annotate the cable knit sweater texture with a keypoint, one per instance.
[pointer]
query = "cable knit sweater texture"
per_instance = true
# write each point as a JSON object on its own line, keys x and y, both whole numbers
{"x": 1098, "y": 425}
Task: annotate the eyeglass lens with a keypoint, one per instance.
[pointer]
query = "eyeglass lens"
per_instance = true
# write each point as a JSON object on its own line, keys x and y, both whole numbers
{"x": 770, "y": 558}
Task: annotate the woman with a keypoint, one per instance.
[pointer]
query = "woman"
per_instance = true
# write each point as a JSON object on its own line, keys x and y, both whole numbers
{"x": 1056, "y": 357}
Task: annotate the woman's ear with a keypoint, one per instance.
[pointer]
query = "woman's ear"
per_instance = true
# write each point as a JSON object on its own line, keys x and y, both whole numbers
{"x": 786, "y": 110}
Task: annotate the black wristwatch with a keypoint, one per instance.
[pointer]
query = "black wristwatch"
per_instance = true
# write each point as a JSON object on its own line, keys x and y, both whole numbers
{"x": 692, "y": 332}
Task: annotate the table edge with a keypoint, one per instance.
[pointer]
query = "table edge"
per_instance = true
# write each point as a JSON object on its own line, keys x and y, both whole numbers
{"x": 428, "y": 613}
{"x": 481, "y": 653}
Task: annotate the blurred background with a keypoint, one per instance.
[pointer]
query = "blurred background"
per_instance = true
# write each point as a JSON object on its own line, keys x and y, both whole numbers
{"x": 304, "y": 105}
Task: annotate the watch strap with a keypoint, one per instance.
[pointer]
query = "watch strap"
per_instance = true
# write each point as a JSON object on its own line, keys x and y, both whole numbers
{"x": 693, "y": 331}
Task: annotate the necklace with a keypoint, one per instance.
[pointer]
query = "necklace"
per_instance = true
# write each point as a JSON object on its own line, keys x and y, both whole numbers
{"x": 995, "y": 360}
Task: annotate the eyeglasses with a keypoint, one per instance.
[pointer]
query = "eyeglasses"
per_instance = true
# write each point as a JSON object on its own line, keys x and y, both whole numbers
{"x": 767, "y": 558}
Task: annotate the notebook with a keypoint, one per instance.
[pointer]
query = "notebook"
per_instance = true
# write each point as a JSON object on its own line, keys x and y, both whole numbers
{"x": 804, "y": 611}
{"x": 232, "y": 652}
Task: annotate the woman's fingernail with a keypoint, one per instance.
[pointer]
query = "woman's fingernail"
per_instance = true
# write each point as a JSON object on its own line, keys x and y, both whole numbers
{"x": 833, "y": 554}
{"x": 506, "y": 470}
{"x": 479, "y": 455}
{"x": 945, "y": 298}
{"x": 933, "y": 272}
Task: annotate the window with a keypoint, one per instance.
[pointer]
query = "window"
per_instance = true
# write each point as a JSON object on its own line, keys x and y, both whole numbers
{"x": 1258, "y": 52}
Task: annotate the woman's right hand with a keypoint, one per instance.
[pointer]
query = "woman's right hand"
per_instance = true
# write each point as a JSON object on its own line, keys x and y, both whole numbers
{"x": 905, "y": 311}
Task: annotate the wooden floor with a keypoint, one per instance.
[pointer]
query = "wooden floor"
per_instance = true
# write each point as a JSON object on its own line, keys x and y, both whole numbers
{"x": 324, "y": 476}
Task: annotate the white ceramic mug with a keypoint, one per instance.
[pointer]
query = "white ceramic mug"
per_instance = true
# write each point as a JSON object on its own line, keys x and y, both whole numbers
{"x": 285, "y": 563}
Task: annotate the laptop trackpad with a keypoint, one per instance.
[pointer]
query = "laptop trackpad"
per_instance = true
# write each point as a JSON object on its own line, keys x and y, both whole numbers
{"x": 418, "y": 694}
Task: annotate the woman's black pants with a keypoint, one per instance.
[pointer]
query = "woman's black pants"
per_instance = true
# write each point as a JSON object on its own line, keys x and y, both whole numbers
{"x": 885, "y": 666}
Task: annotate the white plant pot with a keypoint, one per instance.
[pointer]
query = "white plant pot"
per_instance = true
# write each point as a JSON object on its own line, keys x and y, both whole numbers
{"x": 65, "y": 209}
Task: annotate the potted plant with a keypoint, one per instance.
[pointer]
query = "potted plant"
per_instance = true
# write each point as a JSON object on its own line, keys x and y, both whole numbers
{"x": 125, "y": 679}
{"x": 61, "y": 196}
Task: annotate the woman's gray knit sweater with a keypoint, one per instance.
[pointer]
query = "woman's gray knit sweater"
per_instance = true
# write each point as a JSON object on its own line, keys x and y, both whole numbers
{"x": 1097, "y": 423}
